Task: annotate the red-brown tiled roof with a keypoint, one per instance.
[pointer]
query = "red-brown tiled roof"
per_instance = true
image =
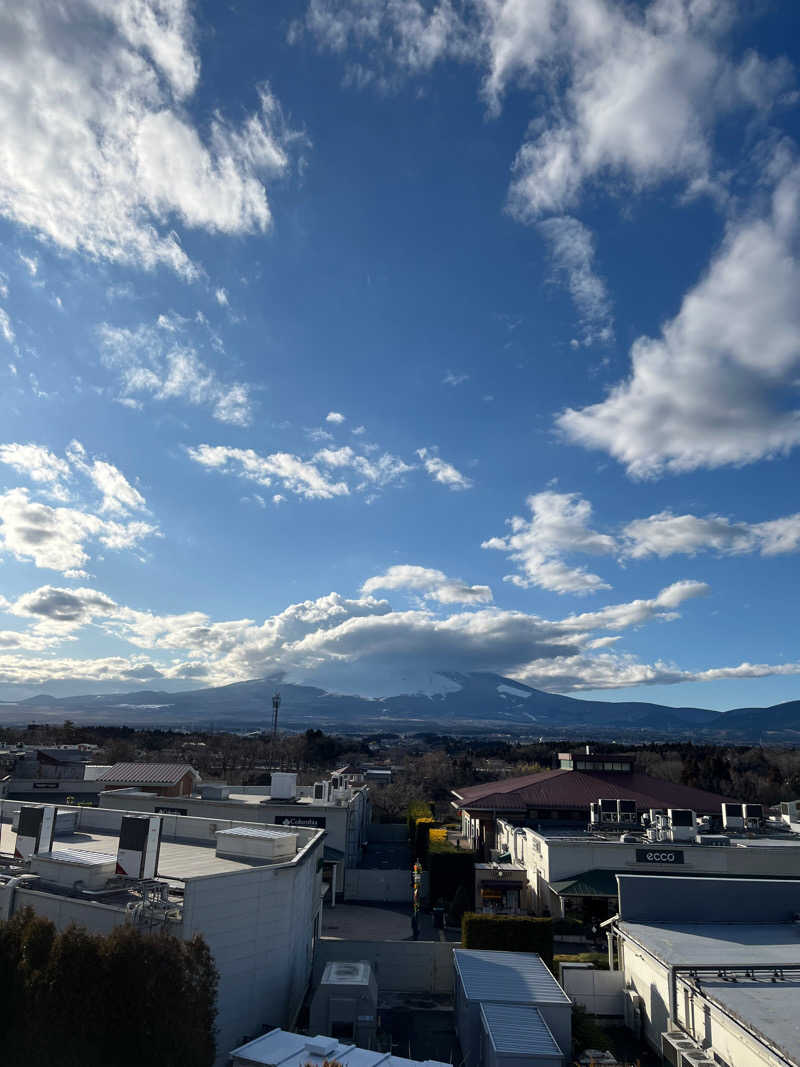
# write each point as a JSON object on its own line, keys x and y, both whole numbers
{"x": 145, "y": 773}
{"x": 577, "y": 789}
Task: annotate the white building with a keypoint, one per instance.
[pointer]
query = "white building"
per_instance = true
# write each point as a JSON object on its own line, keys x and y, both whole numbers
{"x": 564, "y": 871}
{"x": 337, "y": 805}
{"x": 253, "y": 892}
{"x": 711, "y": 968}
{"x": 279, "y": 1049}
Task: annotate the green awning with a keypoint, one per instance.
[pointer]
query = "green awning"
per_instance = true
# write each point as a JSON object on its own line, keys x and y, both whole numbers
{"x": 595, "y": 883}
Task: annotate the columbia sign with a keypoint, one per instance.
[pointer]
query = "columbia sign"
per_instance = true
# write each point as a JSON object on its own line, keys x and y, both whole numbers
{"x": 659, "y": 855}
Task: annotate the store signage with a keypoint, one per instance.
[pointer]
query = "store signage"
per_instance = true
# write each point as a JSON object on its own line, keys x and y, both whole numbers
{"x": 668, "y": 856}
{"x": 171, "y": 811}
{"x": 315, "y": 821}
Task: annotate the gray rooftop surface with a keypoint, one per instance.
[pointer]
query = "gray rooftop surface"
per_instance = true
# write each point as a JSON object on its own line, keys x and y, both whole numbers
{"x": 768, "y": 1008}
{"x": 519, "y": 1030}
{"x": 507, "y": 977}
{"x": 180, "y": 860}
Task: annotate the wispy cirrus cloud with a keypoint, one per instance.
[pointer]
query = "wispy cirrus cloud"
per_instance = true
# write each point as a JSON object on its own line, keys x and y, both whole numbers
{"x": 161, "y": 362}
{"x": 572, "y": 250}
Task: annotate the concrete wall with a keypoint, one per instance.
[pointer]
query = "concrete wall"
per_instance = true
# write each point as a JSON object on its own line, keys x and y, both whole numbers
{"x": 600, "y": 992}
{"x": 400, "y": 966}
{"x": 260, "y": 926}
{"x": 387, "y": 886}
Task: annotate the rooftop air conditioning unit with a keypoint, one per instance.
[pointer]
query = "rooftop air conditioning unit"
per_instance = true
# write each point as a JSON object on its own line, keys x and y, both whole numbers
{"x": 139, "y": 843}
{"x": 633, "y": 1006}
{"x": 626, "y": 811}
{"x": 733, "y": 816}
{"x": 321, "y": 792}
{"x": 673, "y": 1044}
{"x": 682, "y": 824}
{"x": 696, "y": 1057}
{"x": 608, "y": 810}
{"x": 753, "y": 816}
{"x": 34, "y": 831}
{"x": 594, "y": 814}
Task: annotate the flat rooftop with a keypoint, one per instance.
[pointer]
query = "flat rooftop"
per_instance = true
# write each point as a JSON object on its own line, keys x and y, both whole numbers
{"x": 179, "y": 859}
{"x": 766, "y": 1007}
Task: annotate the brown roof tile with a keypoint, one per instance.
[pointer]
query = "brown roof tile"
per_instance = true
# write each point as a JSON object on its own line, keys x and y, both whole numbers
{"x": 577, "y": 789}
{"x": 145, "y": 773}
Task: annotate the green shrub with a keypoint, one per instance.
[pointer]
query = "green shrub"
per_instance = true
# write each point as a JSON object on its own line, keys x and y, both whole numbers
{"x": 509, "y": 933}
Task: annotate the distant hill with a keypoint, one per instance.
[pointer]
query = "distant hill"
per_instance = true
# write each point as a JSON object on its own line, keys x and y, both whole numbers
{"x": 451, "y": 702}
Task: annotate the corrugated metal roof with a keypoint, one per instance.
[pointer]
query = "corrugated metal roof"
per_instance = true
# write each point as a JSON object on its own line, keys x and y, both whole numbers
{"x": 146, "y": 773}
{"x": 507, "y": 977}
{"x": 255, "y": 831}
{"x": 577, "y": 789}
{"x": 519, "y": 1030}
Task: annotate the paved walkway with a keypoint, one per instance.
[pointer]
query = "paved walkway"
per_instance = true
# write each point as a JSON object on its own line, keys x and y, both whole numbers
{"x": 380, "y": 922}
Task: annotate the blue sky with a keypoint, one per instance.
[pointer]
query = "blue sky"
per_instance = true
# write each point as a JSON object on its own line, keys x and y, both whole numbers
{"x": 363, "y": 340}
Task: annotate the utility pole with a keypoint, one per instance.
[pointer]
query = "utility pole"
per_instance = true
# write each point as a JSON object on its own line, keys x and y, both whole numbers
{"x": 276, "y": 703}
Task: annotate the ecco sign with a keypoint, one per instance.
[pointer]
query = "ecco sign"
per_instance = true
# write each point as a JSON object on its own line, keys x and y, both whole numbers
{"x": 659, "y": 855}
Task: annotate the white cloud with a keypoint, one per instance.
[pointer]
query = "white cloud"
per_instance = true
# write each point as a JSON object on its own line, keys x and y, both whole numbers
{"x": 30, "y": 263}
{"x": 642, "y": 92}
{"x": 37, "y": 463}
{"x": 57, "y": 538}
{"x": 559, "y": 525}
{"x": 718, "y": 386}
{"x": 380, "y": 471}
{"x": 101, "y": 157}
{"x": 159, "y": 361}
{"x": 6, "y": 329}
{"x": 454, "y": 379}
{"x": 432, "y": 584}
{"x": 666, "y": 534}
{"x": 222, "y": 297}
{"x": 572, "y": 249}
{"x": 119, "y": 496}
{"x": 441, "y": 471}
{"x": 293, "y": 473}
{"x": 351, "y": 645}
{"x": 335, "y": 417}
{"x": 636, "y": 612}
{"x": 634, "y": 91}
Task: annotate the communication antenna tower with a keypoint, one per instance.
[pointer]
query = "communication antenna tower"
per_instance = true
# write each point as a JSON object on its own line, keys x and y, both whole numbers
{"x": 276, "y": 703}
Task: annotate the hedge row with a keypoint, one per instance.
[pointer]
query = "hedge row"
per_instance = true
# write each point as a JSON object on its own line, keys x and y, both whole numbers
{"x": 509, "y": 933}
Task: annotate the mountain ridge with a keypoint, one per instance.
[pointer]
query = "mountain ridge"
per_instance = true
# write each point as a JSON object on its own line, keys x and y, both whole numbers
{"x": 451, "y": 701}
